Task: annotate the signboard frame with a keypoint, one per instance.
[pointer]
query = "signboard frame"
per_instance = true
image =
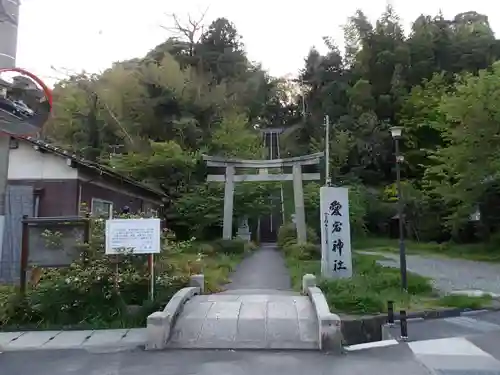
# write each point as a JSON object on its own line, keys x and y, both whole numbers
{"x": 152, "y": 225}
{"x": 153, "y": 248}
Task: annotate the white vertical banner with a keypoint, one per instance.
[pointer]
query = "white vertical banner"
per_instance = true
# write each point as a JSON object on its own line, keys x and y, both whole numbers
{"x": 336, "y": 257}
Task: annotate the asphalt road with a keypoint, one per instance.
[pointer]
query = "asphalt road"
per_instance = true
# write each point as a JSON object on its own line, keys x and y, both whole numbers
{"x": 190, "y": 362}
{"x": 441, "y": 346}
{"x": 14, "y": 125}
{"x": 483, "y": 327}
{"x": 449, "y": 274}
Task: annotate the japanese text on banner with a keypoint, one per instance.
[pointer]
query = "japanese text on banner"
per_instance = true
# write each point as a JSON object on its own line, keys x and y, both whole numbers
{"x": 336, "y": 243}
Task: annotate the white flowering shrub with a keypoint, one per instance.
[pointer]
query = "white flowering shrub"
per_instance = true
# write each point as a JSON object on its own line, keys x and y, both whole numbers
{"x": 97, "y": 290}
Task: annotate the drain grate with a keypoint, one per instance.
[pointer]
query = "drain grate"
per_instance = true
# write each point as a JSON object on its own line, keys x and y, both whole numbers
{"x": 467, "y": 372}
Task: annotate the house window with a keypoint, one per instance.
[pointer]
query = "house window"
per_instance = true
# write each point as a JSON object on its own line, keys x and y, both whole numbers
{"x": 36, "y": 201}
{"x": 102, "y": 208}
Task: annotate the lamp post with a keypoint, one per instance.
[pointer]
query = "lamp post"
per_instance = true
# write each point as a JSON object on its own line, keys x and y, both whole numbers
{"x": 396, "y": 132}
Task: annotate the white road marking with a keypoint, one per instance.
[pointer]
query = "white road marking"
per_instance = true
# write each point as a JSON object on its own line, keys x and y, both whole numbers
{"x": 478, "y": 325}
{"x": 448, "y": 346}
{"x": 369, "y": 345}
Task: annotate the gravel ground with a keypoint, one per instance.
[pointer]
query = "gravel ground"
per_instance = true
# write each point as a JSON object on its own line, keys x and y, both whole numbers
{"x": 449, "y": 274}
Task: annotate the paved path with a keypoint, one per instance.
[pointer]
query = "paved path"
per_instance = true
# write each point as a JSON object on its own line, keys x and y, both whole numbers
{"x": 450, "y": 274}
{"x": 97, "y": 340}
{"x": 257, "y": 311}
{"x": 264, "y": 269}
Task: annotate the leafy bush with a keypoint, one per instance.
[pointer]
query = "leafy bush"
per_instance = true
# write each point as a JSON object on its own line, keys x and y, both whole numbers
{"x": 206, "y": 249}
{"x": 287, "y": 234}
{"x": 351, "y": 296}
{"x": 250, "y": 246}
{"x": 307, "y": 251}
{"x": 229, "y": 246}
{"x": 95, "y": 291}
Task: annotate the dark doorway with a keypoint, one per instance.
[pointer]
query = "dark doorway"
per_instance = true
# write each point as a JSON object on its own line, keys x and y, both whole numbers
{"x": 270, "y": 224}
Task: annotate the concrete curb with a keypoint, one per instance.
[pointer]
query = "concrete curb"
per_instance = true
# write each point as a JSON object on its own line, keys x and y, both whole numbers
{"x": 329, "y": 324}
{"x": 446, "y": 313}
{"x": 97, "y": 341}
{"x": 442, "y": 314}
{"x": 358, "y": 330}
{"x": 160, "y": 323}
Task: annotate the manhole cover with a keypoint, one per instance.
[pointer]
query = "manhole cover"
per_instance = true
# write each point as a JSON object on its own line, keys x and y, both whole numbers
{"x": 467, "y": 372}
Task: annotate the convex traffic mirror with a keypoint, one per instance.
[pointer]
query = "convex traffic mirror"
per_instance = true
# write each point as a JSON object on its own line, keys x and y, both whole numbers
{"x": 25, "y": 102}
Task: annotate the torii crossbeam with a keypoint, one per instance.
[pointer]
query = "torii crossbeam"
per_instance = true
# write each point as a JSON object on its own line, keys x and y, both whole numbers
{"x": 263, "y": 166}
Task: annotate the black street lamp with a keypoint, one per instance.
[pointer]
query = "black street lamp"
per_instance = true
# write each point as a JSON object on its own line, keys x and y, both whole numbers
{"x": 396, "y": 132}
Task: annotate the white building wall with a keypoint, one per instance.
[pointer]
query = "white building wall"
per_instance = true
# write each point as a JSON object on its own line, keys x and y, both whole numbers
{"x": 25, "y": 163}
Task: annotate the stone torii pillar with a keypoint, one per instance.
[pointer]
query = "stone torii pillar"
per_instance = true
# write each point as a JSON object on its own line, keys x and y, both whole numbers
{"x": 227, "y": 230}
{"x": 297, "y": 177}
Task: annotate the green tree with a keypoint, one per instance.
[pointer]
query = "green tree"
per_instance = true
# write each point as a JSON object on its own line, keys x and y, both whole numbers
{"x": 468, "y": 166}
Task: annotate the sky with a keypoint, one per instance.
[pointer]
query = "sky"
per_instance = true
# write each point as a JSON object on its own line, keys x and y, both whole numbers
{"x": 76, "y": 35}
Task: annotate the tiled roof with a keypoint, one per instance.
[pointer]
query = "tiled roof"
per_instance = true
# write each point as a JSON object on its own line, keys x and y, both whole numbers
{"x": 91, "y": 165}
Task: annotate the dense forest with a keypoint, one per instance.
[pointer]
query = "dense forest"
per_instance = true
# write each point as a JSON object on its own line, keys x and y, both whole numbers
{"x": 197, "y": 93}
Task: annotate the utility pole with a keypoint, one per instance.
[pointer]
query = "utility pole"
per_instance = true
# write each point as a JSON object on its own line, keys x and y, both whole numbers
{"x": 9, "y": 15}
{"x": 328, "y": 181}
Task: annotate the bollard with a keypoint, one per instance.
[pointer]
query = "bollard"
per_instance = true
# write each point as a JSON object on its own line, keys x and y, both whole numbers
{"x": 404, "y": 325}
{"x": 390, "y": 313}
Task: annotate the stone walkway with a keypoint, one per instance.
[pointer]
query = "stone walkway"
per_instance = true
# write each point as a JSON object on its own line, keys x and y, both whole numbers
{"x": 449, "y": 274}
{"x": 97, "y": 340}
{"x": 257, "y": 311}
{"x": 264, "y": 269}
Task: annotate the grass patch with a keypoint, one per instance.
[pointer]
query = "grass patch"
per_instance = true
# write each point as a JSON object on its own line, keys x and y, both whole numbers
{"x": 372, "y": 285}
{"x": 466, "y": 302}
{"x": 478, "y": 252}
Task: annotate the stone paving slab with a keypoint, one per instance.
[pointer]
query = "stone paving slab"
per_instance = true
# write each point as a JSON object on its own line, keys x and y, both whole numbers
{"x": 32, "y": 340}
{"x": 134, "y": 336}
{"x": 105, "y": 337}
{"x": 67, "y": 339}
{"x": 6, "y": 337}
{"x": 246, "y": 322}
{"x": 55, "y": 340}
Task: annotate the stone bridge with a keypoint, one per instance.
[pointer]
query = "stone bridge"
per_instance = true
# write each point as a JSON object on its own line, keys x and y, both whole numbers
{"x": 246, "y": 319}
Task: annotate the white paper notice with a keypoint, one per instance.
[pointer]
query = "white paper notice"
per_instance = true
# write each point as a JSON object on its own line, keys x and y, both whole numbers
{"x": 136, "y": 236}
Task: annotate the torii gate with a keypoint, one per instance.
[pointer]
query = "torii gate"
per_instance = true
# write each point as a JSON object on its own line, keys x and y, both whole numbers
{"x": 263, "y": 175}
